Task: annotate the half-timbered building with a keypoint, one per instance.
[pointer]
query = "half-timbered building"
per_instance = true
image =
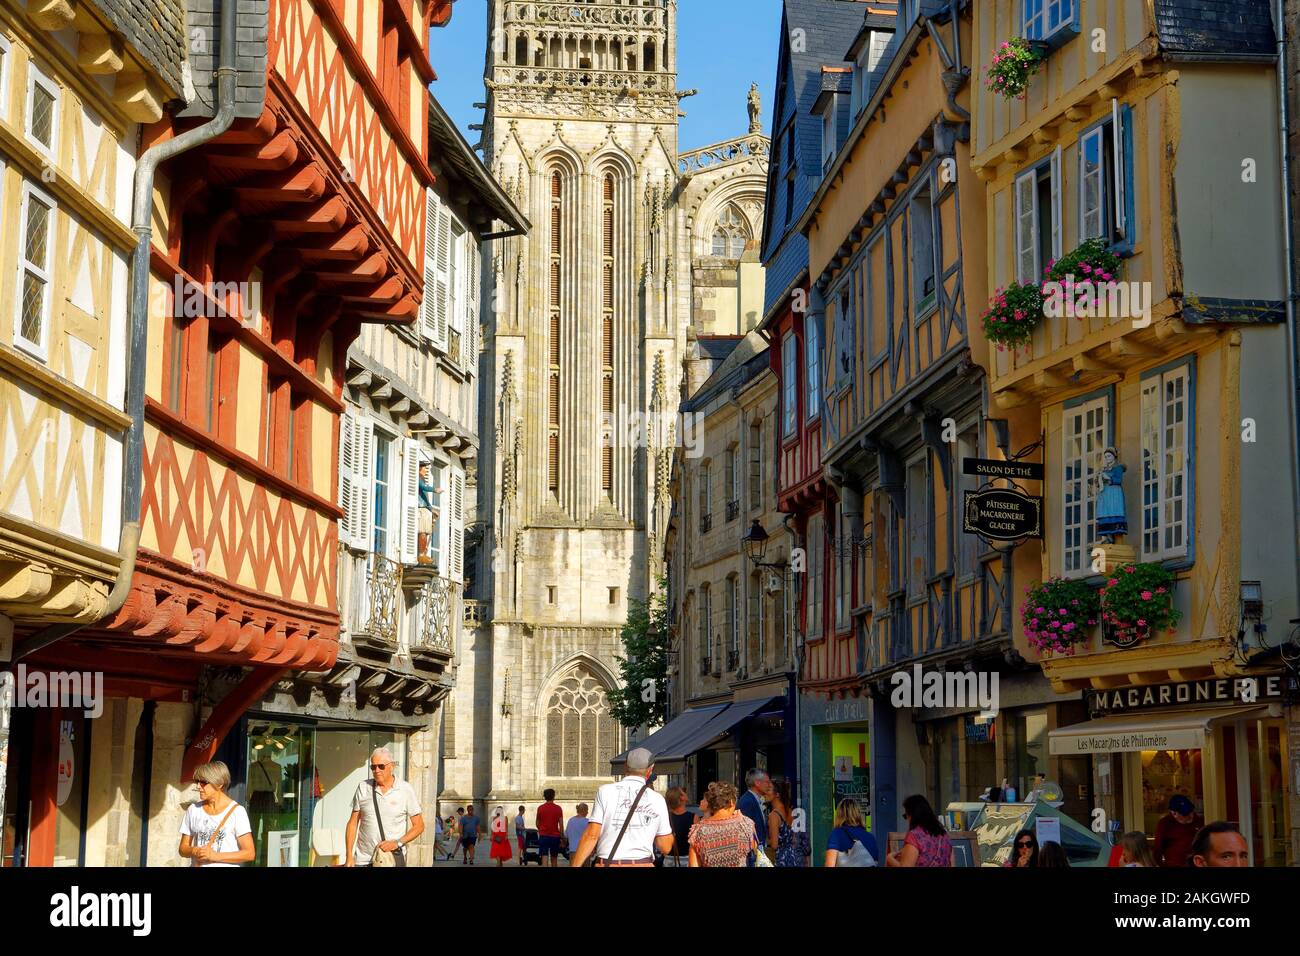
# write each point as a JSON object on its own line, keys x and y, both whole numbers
{"x": 76, "y": 84}
{"x": 273, "y": 244}
{"x": 1151, "y": 130}
{"x": 895, "y": 234}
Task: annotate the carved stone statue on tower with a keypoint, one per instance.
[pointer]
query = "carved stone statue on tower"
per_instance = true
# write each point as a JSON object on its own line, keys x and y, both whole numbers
{"x": 755, "y": 108}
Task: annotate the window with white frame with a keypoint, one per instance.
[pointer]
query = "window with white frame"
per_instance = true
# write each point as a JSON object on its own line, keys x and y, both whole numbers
{"x": 813, "y": 577}
{"x": 6, "y": 58}
{"x": 41, "y": 118}
{"x": 732, "y": 479}
{"x": 1038, "y": 218}
{"x": 1103, "y": 186}
{"x": 813, "y": 365}
{"x": 829, "y": 144}
{"x": 1042, "y": 18}
{"x": 733, "y": 621}
{"x": 921, "y": 217}
{"x": 35, "y": 239}
{"x": 702, "y": 614}
{"x": 789, "y": 385}
{"x": 755, "y": 466}
{"x": 1166, "y": 404}
{"x": 1084, "y": 434}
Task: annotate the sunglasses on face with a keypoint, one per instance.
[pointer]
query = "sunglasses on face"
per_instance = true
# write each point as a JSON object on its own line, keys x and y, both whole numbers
{"x": 379, "y": 766}
{"x": 1025, "y": 845}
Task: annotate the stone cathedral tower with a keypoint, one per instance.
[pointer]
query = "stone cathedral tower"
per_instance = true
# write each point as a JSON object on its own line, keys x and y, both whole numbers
{"x": 583, "y": 333}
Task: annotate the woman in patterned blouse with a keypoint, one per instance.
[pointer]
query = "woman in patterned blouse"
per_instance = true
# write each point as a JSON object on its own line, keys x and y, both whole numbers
{"x": 927, "y": 842}
{"x": 726, "y": 837}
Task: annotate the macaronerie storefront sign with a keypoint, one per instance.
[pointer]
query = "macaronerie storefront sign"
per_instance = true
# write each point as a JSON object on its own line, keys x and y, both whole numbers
{"x": 1214, "y": 691}
{"x": 1128, "y": 742}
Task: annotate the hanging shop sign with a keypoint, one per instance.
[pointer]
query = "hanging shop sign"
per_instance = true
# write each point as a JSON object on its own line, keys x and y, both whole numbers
{"x": 990, "y": 468}
{"x": 1002, "y": 514}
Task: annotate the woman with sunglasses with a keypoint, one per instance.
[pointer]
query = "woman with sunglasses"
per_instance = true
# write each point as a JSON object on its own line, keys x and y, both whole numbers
{"x": 1024, "y": 852}
{"x": 927, "y": 842}
{"x": 216, "y": 830}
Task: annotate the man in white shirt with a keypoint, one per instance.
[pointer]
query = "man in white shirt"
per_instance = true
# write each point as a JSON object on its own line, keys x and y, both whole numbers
{"x": 399, "y": 809}
{"x": 573, "y": 831}
{"x": 647, "y": 829}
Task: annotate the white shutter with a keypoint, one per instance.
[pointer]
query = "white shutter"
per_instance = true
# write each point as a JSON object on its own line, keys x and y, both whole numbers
{"x": 442, "y": 482}
{"x": 469, "y": 340}
{"x": 362, "y": 521}
{"x": 1027, "y": 266}
{"x": 1117, "y": 142}
{"x": 1056, "y": 204}
{"x": 433, "y": 317}
{"x": 456, "y": 510}
{"x": 347, "y": 478}
{"x": 410, "y": 500}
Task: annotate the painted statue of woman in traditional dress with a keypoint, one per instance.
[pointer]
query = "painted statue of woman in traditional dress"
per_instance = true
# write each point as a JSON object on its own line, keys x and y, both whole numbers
{"x": 1111, "y": 517}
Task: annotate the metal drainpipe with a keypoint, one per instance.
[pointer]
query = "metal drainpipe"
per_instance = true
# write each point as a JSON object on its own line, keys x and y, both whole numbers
{"x": 1288, "y": 236}
{"x": 133, "y": 459}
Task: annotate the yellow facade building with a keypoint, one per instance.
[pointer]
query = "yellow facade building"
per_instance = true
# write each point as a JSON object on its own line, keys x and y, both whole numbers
{"x": 1153, "y": 131}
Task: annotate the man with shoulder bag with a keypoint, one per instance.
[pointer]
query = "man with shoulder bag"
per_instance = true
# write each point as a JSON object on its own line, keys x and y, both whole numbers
{"x": 385, "y": 817}
{"x": 629, "y": 820}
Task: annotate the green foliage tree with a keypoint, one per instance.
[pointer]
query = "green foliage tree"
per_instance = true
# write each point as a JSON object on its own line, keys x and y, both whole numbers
{"x": 643, "y": 698}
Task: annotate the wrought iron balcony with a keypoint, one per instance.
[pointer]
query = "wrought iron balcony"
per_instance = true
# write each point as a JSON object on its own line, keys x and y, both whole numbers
{"x": 706, "y": 523}
{"x": 706, "y": 666}
{"x": 733, "y": 658}
{"x": 733, "y": 510}
{"x": 435, "y": 635}
{"x": 376, "y": 601}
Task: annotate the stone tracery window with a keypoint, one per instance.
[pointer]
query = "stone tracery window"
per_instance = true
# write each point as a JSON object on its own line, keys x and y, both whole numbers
{"x": 581, "y": 736}
{"x": 731, "y": 233}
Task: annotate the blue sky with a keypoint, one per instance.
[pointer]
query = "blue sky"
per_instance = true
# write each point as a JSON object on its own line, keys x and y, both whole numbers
{"x": 722, "y": 47}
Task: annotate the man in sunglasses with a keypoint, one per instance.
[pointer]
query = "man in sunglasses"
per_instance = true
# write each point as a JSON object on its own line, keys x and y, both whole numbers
{"x": 385, "y": 814}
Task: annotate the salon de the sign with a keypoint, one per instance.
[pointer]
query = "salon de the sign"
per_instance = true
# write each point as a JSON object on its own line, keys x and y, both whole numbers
{"x": 1222, "y": 690}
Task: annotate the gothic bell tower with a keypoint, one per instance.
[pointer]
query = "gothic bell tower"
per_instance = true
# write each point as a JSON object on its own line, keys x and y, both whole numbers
{"x": 582, "y": 335}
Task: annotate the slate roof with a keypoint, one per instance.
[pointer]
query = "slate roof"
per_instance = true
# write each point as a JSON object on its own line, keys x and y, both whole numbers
{"x": 155, "y": 29}
{"x": 826, "y": 28}
{"x": 747, "y": 359}
{"x": 1216, "y": 29}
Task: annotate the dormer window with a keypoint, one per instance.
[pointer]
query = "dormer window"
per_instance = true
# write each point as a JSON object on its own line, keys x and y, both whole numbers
{"x": 829, "y": 145}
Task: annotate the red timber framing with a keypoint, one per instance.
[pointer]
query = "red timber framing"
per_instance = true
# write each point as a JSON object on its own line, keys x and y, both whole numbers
{"x": 830, "y": 659}
{"x": 318, "y": 204}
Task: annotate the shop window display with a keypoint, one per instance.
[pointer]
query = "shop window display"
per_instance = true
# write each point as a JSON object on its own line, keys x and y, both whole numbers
{"x": 1165, "y": 773}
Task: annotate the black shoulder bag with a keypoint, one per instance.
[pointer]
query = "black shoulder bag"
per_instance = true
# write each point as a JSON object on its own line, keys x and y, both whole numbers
{"x": 591, "y": 860}
{"x": 399, "y": 855}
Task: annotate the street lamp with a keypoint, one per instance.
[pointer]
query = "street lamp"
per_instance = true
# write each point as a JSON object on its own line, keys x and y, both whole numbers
{"x": 755, "y": 542}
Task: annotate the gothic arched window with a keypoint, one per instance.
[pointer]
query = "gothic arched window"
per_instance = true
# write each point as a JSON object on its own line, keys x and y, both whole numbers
{"x": 581, "y": 736}
{"x": 731, "y": 233}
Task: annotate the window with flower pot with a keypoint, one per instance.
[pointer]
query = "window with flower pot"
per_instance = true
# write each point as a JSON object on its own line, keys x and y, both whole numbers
{"x": 1085, "y": 433}
{"x": 1106, "y": 179}
{"x": 1167, "y": 404}
{"x": 1044, "y": 19}
{"x": 1038, "y": 217}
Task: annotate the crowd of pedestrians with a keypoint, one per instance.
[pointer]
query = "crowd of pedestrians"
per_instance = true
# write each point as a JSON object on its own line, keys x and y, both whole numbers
{"x": 631, "y": 824}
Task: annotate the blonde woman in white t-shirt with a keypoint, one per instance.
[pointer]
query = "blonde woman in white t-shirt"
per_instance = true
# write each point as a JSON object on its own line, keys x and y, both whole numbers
{"x": 216, "y": 830}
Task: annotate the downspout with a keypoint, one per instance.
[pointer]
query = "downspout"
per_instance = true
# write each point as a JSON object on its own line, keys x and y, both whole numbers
{"x": 1288, "y": 237}
{"x": 133, "y": 459}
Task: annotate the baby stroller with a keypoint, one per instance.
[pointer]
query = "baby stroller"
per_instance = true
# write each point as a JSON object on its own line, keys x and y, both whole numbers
{"x": 532, "y": 853}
